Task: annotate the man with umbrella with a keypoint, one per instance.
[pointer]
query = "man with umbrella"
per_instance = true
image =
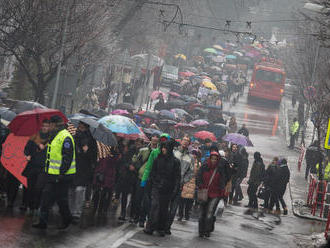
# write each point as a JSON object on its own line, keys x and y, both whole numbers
{"x": 60, "y": 169}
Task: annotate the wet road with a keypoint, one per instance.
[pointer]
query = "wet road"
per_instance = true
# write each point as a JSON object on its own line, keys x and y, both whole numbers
{"x": 233, "y": 229}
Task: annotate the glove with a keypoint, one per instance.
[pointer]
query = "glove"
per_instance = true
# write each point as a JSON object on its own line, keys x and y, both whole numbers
{"x": 143, "y": 184}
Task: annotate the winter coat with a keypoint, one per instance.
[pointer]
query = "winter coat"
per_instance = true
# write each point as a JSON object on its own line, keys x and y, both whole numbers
{"x": 189, "y": 188}
{"x": 126, "y": 178}
{"x": 243, "y": 168}
{"x": 217, "y": 186}
{"x": 271, "y": 176}
{"x": 283, "y": 175}
{"x": 165, "y": 175}
{"x": 312, "y": 157}
{"x": 257, "y": 172}
{"x": 186, "y": 162}
{"x": 244, "y": 131}
{"x": 140, "y": 160}
{"x": 105, "y": 172}
{"x": 85, "y": 161}
{"x": 38, "y": 159}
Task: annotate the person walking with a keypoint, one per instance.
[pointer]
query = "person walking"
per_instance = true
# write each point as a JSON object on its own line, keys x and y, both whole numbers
{"x": 240, "y": 175}
{"x": 86, "y": 149}
{"x": 271, "y": 183}
{"x": 256, "y": 177}
{"x": 165, "y": 178}
{"x": 60, "y": 169}
{"x": 189, "y": 189}
{"x": 35, "y": 153}
{"x": 244, "y": 131}
{"x": 311, "y": 157}
{"x": 235, "y": 161}
{"x": 212, "y": 177}
{"x": 283, "y": 180}
{"x": 232, "y": 125}
{"x": 187, "y": 172}
{"x": 293, "y": 132}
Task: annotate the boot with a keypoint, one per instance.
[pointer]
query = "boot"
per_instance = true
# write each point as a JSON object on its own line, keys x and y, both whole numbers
{"x": 285, "y": 211}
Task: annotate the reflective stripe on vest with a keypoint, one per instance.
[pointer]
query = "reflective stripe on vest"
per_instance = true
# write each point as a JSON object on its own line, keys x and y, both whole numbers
{"x": 54, "y": 154}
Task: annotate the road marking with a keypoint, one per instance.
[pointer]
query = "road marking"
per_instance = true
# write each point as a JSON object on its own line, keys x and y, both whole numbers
{"x": 125, "y": 238}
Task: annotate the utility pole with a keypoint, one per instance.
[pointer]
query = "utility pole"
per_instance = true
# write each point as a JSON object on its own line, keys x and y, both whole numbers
{"x": 59, "y": 66}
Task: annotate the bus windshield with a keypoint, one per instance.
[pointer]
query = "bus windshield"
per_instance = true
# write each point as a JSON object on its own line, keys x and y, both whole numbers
{"x": 269, "y": 76}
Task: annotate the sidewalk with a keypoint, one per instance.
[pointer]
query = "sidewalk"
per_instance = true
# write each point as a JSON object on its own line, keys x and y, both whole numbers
{"x": 298, "y": 186}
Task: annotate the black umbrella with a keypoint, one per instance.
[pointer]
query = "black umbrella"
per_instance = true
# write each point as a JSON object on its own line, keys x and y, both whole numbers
{"x": 149, "y": 114}
{"x": 175, "y": 104}
{"x": 22, "y": 106}
{"x": 151, "y": 131}
{"x": 103, "y": 135}
{"x": 167, "y": 122}
{"x": 7, "y": 114}
{"x": 189, "y": 98}
{"x": 76, "y": 118}
{"x": 100, "y": 112}
{"x": 213, "y": 107}
{"x": 125, "y": 106}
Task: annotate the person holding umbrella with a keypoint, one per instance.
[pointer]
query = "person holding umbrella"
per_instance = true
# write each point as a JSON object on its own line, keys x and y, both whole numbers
{"x": 60, "y": 169}
{"x": 86, "y": 149}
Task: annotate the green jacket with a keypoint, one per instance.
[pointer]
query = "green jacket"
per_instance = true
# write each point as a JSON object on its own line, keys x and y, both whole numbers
{"x": 153, "y": 155}
{"x": 294, "y": 128}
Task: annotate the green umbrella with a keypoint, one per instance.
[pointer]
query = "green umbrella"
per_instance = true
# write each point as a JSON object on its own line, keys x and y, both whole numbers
{"x": 210, "y": 50}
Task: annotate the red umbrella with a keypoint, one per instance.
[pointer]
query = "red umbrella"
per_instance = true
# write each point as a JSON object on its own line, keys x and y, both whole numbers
{"x": 205, "y": 135}
{"x": 154, "y": 95}
{"x": 171, "y": 93}
{"x": 29, "y": 122}
{"x": 186, "y": 74}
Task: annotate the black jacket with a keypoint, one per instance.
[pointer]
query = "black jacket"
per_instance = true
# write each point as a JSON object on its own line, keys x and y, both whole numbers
{"x": 165, "y": 175}
{"x": 257, "y": 173}
{"x": 244, "y": 131}
{"x": 313, "y": 157}
{"x": 85, "y": 161}
{"x": 271, "y": 176}
{"x": 283, "y": 175}
{"x": 38, "y": 159}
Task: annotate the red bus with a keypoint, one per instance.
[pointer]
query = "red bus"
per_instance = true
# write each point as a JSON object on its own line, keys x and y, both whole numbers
{"x": 268, "y": 80}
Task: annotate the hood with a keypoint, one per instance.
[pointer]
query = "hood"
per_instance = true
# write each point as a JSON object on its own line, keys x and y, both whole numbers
{"x": 169, "y": 145}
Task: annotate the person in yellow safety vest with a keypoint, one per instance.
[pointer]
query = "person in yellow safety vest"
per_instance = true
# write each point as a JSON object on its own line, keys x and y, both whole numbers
{"x": 59, "y": 171}
{"x": 326, "y": 172}
{"x": 293, "y": 132}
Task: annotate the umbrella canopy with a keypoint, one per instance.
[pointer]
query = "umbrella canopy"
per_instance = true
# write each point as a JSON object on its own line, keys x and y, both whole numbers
{"x": 180, "y": 112}
{"x": 148, "y": 114}
{"x": 218, "y": 59}
{"x": 203, "y": 135}
{"x": 189, "y": 98}
{"x": 167, "y": 123}
{"x": 151, "y": 131}
{"x": 175, "y": 104}
{"x": 155, "y": 94}
{"x": 7, "y": 114}
{"x": 165, "y": 114}
{"x": 238, "y": 139}
{"x": 171, "y": 93}
{"x": 209, "y": 85}
{"x": 238, "y": 53}
{"x": 186, "y": 74}
{"x": 99, "y": 112}
{"x": 100, "y": 132}
{"x": 216, "y": 68}
{"x": 211, "y": 50}
{"x": 184, "y": 126}
{"x": 180, "y": 56}
{"x": 120, "y": 112}
{"x": 126, "y": 106}
{"x": 29, "y": 122}
{"x": 218, "y": 47}
{"x": 22, "y": 106}
{"x": 214, "y": 92}
{"x": 199, "y": 123}
{"x": 120, "y": 124}
{"x": 213, "y": 107}
{"x": 221, "y": 125}
{"x": 231, "y": 57}
{"x": 76, "y": 118}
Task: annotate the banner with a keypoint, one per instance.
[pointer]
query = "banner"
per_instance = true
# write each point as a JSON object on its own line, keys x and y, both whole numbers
{"x": 13, "y": 158}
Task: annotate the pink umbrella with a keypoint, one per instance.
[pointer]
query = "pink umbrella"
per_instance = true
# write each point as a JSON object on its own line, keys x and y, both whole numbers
{"x": 200, "y": 123}
{"x": 120, "y": 112}
{"x": 184, "y": 125}
{"x": 154, "y": 95}
{"x": 171, "y": 93}
{"x": 203, "y": 135}
{"x": 186, "y": 74}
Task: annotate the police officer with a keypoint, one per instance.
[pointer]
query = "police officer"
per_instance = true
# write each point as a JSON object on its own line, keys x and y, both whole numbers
{"x": 60, "y": 169}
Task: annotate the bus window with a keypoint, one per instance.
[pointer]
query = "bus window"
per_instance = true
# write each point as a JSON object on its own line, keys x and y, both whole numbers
{"x": 269, "y": 76}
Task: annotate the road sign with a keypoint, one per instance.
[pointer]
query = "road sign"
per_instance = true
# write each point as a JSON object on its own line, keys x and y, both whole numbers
{"x": 327, "y": 138}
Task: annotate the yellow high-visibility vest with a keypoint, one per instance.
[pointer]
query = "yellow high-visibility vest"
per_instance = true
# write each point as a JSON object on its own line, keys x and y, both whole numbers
{"x": 294, "y": 128}
{"x": 326, "y": 175}
{"x": 54, "y": 154}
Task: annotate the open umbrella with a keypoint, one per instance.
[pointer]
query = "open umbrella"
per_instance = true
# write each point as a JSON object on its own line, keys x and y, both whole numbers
{"x": 76, "y": 118}
{"x": 7, "y": 114}
{"x": 155, "y": 94}
{"x": 171, "y": 93}
{"x": 100, "y": 132}
{"x": 165, "y": 114}
{"x": 151, "y": 131}
{"x": 121, "y": 125}
{"x": 120, "y": 112}
{"x": 203, "y": 135}
{"x": 199, "y": 123}
{"x": 211, "y": 50}
{"x": 126, "y": 106}
{"x": 186, "y": 74}
{"x": 167, "y": 123}
{"x": 175, "y": 104}
{"x": 218, "y": 59}
{"x": 231, "y": 57}
{"x": 180, "y": 56}
{"x": 184, "y": 126}
{"x": 22, "y": 106}
{"x": 209, "y": 85}
{"x": 218, "y": 47}
{"x": 238, "y": 139}
{"x": 180, "y": 112}
{"x": 29, "y": 122}
{"x": 148, "y": 114}
{"x": 189, "y": 98}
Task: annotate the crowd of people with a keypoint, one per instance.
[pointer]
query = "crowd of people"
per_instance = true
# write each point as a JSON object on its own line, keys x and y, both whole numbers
{"x": 161, "y": 180}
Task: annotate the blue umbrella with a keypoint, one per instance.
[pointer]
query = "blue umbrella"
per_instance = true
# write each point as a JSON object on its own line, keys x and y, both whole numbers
{"x": 231, "y": 57}
{"x": 120, "y": 124}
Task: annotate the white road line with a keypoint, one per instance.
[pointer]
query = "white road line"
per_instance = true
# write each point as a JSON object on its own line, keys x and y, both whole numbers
{"x": 123, "y": 239}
